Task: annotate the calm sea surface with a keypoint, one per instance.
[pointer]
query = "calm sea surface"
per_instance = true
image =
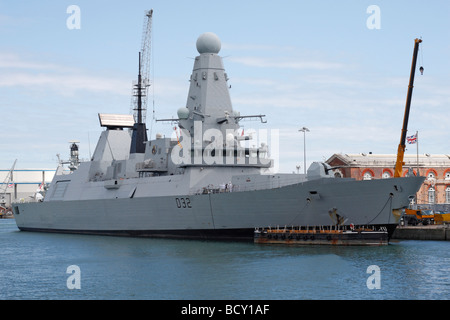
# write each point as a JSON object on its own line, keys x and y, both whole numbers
{"x": 35, "y": 266}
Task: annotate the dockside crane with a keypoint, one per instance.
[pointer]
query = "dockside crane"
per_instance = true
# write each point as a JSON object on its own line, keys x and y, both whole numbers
{"x": 5, "y": 184}
{"x": 401, "y": 147}
{"x": 140, "y": 88}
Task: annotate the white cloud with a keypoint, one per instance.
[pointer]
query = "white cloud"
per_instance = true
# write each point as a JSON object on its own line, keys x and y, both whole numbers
{"x": 345, "y": 109}
{"x": 234, "y": 47}
{"x": 65, "y": 84}
{"x": 285, "y": 63}
{"x": 13, "y": 61}
{"x": 19, "y": 72}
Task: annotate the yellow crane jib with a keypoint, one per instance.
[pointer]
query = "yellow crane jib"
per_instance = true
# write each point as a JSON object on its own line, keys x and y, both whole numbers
{"x": 401, "y": 147}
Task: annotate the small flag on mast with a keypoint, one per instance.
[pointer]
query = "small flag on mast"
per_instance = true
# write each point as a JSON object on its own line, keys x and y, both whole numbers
{"x": 412, "y": 139}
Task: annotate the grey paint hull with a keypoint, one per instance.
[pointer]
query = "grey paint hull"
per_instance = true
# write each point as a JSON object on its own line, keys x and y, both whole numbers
{"x": 156, "y": 191}
{"x": 225, "y": 215}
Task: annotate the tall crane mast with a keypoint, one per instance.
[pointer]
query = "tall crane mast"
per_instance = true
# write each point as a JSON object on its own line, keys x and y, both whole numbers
{"x": 146, "y": 53}
{"x": 401, "y": 147}
{"x": 140, "y": 88}
{"x": 4, "y": 185}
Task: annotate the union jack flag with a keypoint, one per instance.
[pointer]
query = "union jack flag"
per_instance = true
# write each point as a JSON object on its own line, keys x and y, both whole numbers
{"x": 178, "y": 139}
{"x": 412, "y": 139}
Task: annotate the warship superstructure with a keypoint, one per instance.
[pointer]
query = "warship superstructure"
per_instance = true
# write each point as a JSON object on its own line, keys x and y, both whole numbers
{"x": 203, "y": 183}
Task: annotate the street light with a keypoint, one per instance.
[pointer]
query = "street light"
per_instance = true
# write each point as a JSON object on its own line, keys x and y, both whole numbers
{"x": 304, "y": 130}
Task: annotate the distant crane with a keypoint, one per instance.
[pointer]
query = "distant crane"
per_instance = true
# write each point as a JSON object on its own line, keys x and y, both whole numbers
{"x": 401, "y": 147}
{"x": 140, "y": 88}
{"x": 5, "y": 184}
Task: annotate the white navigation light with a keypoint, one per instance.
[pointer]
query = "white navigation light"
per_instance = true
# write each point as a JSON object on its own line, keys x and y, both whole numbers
{"x": 208, "y": 42}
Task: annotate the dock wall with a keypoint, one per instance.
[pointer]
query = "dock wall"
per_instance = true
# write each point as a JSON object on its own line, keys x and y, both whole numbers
{"x": 433, "y": 232}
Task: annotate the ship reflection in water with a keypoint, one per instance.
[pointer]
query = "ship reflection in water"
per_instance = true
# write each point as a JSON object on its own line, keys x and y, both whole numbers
{"x": 34, "y": 266}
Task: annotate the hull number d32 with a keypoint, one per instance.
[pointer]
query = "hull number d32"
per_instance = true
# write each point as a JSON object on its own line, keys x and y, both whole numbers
{"x": 183, "y": 203}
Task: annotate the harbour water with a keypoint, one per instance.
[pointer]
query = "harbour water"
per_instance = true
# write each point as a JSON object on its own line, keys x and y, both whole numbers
{"x": 37, "y": 266}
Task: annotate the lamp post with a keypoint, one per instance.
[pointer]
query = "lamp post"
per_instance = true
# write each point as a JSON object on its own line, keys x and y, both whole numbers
{"x": 304, "y": 130}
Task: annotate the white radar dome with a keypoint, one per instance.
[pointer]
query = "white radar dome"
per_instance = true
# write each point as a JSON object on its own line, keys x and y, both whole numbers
{"x": 183, "y": 113}
{"x": 208, "y": 43}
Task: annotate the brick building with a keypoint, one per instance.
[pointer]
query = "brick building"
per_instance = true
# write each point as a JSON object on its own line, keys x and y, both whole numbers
{"x": 436, "y": 169}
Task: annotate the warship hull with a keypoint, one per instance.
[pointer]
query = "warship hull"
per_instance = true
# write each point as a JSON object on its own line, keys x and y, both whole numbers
{"x": 204, "y": 182}
{"x": 227, "y": 215}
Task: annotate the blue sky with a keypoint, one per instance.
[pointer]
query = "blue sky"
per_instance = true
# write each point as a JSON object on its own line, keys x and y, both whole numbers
{"x": 302, "y": 63}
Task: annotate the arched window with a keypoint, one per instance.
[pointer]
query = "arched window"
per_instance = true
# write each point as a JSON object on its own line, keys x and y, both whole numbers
{"x": 368, "y": 174}
{"x": 431, "y": 175}
{"x": 431, "y": 195}
{"x": 386, "y": 174}
{"x": 338, "y": 174}
{"x": 447, "y": 175}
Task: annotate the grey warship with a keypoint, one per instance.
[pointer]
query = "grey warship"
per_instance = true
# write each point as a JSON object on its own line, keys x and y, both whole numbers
{"x": 204, "y": 183}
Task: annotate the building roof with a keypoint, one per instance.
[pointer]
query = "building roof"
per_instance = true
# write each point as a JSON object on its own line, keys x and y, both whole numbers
{"x": 27, "y": 175}
{"x": 388, "y": 160}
